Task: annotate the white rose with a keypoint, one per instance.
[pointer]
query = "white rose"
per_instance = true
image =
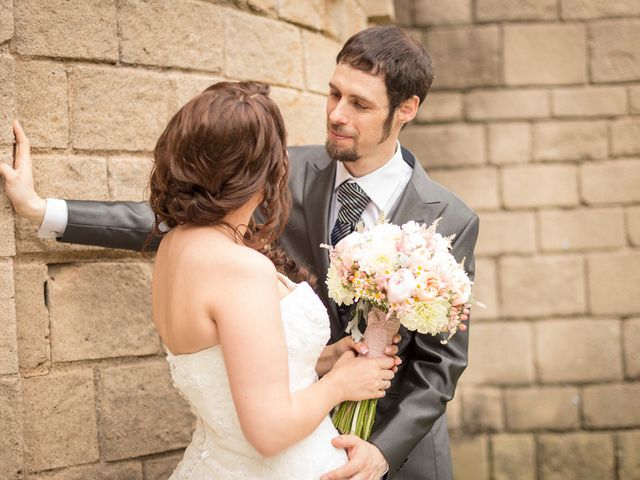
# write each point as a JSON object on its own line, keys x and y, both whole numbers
{"x": 401, "y": 286}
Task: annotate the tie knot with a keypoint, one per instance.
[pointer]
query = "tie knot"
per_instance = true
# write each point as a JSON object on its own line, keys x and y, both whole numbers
{"x": 351, "y": 194}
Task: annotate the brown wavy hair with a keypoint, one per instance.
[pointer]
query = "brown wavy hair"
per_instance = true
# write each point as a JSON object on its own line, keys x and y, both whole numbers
{"x": 221, "y": 149}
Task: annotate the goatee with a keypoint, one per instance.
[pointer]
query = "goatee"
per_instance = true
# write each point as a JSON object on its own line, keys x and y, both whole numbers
{"x": 347, "y": 155}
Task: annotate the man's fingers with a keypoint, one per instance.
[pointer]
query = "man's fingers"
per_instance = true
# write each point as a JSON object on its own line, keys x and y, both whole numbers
{"x": 6, "y": 171}
{"x": 22, "y": 146}
{"x": 396, "y": 338}
{"x": 345, "y": 441}
{"x": 344, "y": 472}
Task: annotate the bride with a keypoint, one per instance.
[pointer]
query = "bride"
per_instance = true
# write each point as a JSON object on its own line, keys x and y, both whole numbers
{"x": 245, "y": 344}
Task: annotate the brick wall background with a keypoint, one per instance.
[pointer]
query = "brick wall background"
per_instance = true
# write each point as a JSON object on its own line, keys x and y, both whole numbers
{"x": 534, "y": 120}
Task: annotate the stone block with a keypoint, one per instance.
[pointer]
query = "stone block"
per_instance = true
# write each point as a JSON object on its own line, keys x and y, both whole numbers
{"x": 41, "y": 89}
{"x": 625, "y": 137}
{"x": 509, "y": 143}
{"x": 118, "y": 95}
{"x": 478, "y": 187}
{"x": 613, "y": 283}
{"x": 454, "y": 411}
{"x": 304, "y": 12}
{"x": 118, "y": 471}
{"x": 7, "y": 238}
{"x": 500, "y": 354}
{"x": 347, "y": 18}
{"x": 497, "y": 10}
{"x": 80, "y": 178}
{"x": 544, "y": 408}
{"x": 452, "y": 145}
{"x": 465, "y": 56}
{"x": 542, "y": 286}
{"x": 59, "y": 420}
{"x": 628, "y": 455}
{"x": 611, "y": 406}
{"x": 507, "y": 104}
{"x": 470, "y": 456}
{"x": 485, "y": 289}
{"x": 614, "y": 56}
{"x": 129, "y": 178}
{"x": 562, "y": 141}
{"x": 8, "y": 336}
{"x": 405, "y": 12}
{"x": 319, "y": 60}
{"x": 578, "y": 351}
{"x": 545, "y": 54}
{"x": 160, "y": 468}
{"x": 440, "y": 107}
{"x": 539, "y": 186}
{"x": 506, "y": 232}
{"x": 185, "y": 34}
{"x": 631, "y": 346}
{"x": 428, "y": 13}
{"x": 573, "y": 9}
{"x": 6, "y": 20}
{"x": 141, "y": 413}
{"x": 303, "y": 115}
{"x": 43, "y": 28}
{"x": 581, "y": 229}
{"x": 589, "y": 102}
{"x": 633, "y": 224}
{"x": 7, "y": 98}
{"x": 11, "y": 445}
{"x": 248, "y": 37}
{"x": 482, "y": 410}
{"x": 100, "y": 310}
{"x": 189, "y": 85}
{"x": 634, "y": 99}
{"x": 513, "y": 456}
{"x": 31, "y": 313}
{"x": 576, "y": 456}
{"x": 610, "y": 182}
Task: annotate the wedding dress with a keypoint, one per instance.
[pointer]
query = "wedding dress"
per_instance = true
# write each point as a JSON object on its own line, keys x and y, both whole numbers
{"x": 218, "y": 449}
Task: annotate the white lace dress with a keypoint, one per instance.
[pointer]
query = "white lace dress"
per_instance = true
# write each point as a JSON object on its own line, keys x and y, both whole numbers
{"x": 218, "y": 449}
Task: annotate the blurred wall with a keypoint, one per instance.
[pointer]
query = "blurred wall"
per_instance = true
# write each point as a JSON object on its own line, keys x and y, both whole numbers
{"x": 534, "y": 120}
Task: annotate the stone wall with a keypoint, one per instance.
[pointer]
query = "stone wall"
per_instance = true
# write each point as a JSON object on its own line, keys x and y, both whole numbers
{"x": 84, "y": 388}
{"x": 534, "y": 120}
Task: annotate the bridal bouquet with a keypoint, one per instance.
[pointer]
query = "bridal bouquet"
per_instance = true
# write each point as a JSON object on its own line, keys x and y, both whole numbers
{"x": 396, "y": 276}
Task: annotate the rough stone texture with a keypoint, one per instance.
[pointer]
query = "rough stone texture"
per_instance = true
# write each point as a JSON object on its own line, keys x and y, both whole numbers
{"x": 190, "y": 85}
{"x": 82, "y": 178}
{"x": 319, "y": 60}
{"x": 11, "y": 446}
{"x": 628, "y": 454}
{"x": 454, "y": 411}
{"x": 485, "y": 289}
{"x": 86, "y": 322}
{"x": 576, "y": 456}
{"x": 613, "y": 283}
{"x": 160, "y": 468}
{"x": 7, "y": 98}
{"x": 514, "y": 457}
{"x": 59, "y": 420}
{"x": 569, "y": 141}
{"x": 440, "y": 106}
{"x": 633, "y": 224}
{"x": 41, "y": 89}
{"x": 506, "y": 232}
{"x": 612, "y": 406}
{"x": 129, "y": 178}
{"x": 118, "y": 471}
{"x": 141, "y": 412}
{"x": 469, "y": 56}
{"x": 428, "y": 13}
{"x": 106, "y": 105}
{"x": 547, "y": 408}
{"x": 625, "y": 137}
{"x": 470, "y": 456}
{"x": 589, "y": 102}
{"x": 545, "y": 54}
{"x": 594, "y": 354}
{"x": 614, "y": 56}
{"x": 185, "y": 34}
{"x": 631, "y": 347}
{"x": 542, "y": 286}
{"x": 246, "y": 59}
{"x": 446, "y": 145}
{"x": 500, "y": 354}
{"x": 539, "y": 186}
{"x": 303, "y": 115}
{"x": 303, "y": 12}
{"x": 509, "y": 143}
{"x": 43, "y": 28}
{"x": 581, "y": 229}
{"x": 347, "y": 17}
{"x": 482, "y": 410}
{"x": 507, "y": 104}
{"x": 478, "y": 187}
{"x": 610, "y": 182}
{"x": 487, "y": 10}
{"x": 634, "y": 99}
{"x": 7, "y": 238}
{"x": 31, "y": 313}
{"x": 571, "y": 9}
{"x": 8, "y": 336}
{"x": 6, "y": 20}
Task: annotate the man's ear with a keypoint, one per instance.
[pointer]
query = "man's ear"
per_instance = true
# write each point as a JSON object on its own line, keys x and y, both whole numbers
{"x": 408, "y": 109}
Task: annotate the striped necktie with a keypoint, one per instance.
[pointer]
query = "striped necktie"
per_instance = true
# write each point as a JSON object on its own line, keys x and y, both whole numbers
{"x": 353, "y": 201}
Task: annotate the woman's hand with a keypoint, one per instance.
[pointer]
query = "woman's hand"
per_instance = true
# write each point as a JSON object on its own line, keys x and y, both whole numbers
{"x": 361, "y": 378}
{"x": 347, "y": 344}
{"x": 19, "y": 180}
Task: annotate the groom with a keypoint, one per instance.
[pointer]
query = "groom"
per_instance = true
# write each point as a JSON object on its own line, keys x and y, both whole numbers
{"x": 382, "y": 76}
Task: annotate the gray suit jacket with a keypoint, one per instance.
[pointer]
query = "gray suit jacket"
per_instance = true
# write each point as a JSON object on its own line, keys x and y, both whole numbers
{"x": 410, "y": 427}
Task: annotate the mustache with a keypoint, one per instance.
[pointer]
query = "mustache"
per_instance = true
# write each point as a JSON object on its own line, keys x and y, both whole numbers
{"x": 339, "y": 130}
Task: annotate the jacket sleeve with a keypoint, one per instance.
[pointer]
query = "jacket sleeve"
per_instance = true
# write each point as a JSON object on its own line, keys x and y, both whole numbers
{"x": 125, "y": 225}
{"x": 432, "y": 373}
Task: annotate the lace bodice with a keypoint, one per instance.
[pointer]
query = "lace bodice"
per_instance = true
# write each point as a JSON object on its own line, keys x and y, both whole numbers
{"x": 218, "y": 448}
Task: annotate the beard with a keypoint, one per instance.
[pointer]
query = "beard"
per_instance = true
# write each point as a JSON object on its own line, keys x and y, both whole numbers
{"x": 346, "y": 155}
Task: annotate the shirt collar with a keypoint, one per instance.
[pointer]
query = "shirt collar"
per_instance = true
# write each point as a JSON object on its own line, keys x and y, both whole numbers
{"x": 380, "y": 184}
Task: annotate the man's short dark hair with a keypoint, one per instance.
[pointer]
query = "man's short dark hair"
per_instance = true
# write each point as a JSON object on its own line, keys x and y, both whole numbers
{"x": 390, "y": 52}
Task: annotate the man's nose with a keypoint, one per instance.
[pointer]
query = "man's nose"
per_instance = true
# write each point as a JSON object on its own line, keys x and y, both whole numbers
{"x": 337, "y": 116}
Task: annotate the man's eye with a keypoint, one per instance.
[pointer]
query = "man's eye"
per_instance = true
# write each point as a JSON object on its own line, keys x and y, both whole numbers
{"x": 359, "y": 106}
{"x": 334, "y": 94}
